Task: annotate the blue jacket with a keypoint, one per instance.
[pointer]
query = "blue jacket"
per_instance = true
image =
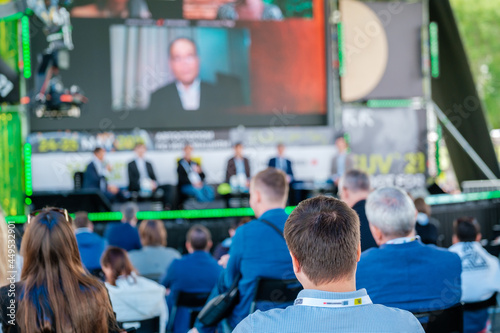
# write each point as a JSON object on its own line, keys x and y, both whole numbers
{"x": 257, "y": 250}
{"x": 411, "y": 276}
{"x": 91, "y": 179}
{"x": 367, "y": 240}
{"x": 123, "y": 235}
{"x": 288, "y": 171}
{"x": 195, "y": 272}
{"x": 91, "y": 247}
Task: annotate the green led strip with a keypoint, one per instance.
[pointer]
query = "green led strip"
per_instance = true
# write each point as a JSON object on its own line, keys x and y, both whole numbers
{"x": 12, "y": 17}
{"x": 389, "y": 103}
{"x": 25, "y": 33}
{"x": 340, "y": 40}
{"x": 441, "y": 199}
{"x": 434, "y": 48}
{"x": 27, "y": 172}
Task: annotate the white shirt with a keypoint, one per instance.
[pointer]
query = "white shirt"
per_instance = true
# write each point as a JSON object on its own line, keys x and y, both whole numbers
{"x": 138, "y": 300}
{"x": 141, "y": 166}
{"x": 190, "y": 97}
{"x": 480, "y": 272}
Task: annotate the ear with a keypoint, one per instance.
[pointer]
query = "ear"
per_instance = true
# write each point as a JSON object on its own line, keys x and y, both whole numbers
{"x": 454, "y": 239}
{"x": 478, "y": 237}
{"x": 296, "y": 265}
{"x": 189, "y": 248}
{"x": 209, "y": 245}
{"x": 359, "y": 252}
{"x": 377, "y": 234}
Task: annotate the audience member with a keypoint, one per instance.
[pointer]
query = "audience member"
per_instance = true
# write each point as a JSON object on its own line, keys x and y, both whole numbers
{"x": 426, "y": 225}
{"x": 343, "y": 161}
{"x": 223, "y": 248}
{"x": 191, "y": 178}
{"x": 238, "y": 169}
{"x": 124, "y": 234}
{"x": 403, "y": 272}
{"x": 155, "y": 257}
{"x": 196, "y": 272}
{"x": 257, "y": 249}
{"x": 282, "y": 163}
{"x": 142, "y": 180}
{"x": 480, "y": 271}
{"x": 8, "y": 253}
{"x": 133, "y": 297}
{"x": 354, "y": 188}
{"x": 55, "y": 293}
{"x": 90, "y": 244}
{"x": 96, "y": 174}
{"x": 323, "y": 236}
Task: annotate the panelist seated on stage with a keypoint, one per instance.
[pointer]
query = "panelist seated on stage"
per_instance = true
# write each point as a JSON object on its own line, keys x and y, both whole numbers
{"x": 323, "y": 237}
{"x": 191, "y": 178}
{"x": 188, "y": 95}
{"x": 142, "y": 179}
{"x": 238, "y": 169}
{"x": 282, "y": 163}
{"x": 95, "y": 176}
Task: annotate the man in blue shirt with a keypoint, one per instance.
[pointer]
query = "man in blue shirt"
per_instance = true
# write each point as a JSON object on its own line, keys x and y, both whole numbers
{"x": 196, "y": 272}
{"x": 90, "y": 244}
{"x": 322, "y": 234}
{"x": 257, "y": 250}
{"x": 282, "y": 163}
{"x": 403, "y": 272}
{"x": 125, "y": 234}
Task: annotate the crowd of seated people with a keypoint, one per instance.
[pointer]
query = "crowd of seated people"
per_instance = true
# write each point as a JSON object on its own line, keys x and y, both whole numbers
{"x": 346, "y": 288}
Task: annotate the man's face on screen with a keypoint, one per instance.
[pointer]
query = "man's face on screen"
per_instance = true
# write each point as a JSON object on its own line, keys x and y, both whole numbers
{"x": 184, "y": 61}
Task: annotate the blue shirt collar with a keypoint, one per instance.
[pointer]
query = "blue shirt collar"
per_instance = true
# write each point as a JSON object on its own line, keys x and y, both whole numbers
{"x": 313, "y": 293}
{"x": 273, "y": 212}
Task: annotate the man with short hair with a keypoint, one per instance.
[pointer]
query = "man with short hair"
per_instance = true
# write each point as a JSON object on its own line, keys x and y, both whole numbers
{"x": 96, "y": 173}
{"x": 480, "y": 271}
{"x": 196, "y": 272}
{"x": 187, "y": 96}
{"x": 192, "y": 178}
{"x": 403, "y": 272}
{"x": 90, "y": 244}
{"x": 124, "y": 234}
{"x": 322, "y": 234}
{"x": 282, "y": 163}
{"x": 238, "y": 168}
{"x": 258, "y": 249}
{"x": 142, "y": 179}
{"x": 354, "y": 188}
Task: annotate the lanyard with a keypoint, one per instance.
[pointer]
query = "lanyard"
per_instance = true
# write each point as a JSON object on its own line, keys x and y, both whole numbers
{"x": 402, "y": 240}
{"x": 333, "y": 303}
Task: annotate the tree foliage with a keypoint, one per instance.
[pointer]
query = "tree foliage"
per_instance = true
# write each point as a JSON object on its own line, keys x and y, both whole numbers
{"x": 478, "y": 22}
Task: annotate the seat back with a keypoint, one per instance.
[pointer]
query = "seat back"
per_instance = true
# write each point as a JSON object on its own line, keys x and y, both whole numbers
{"x": 276, "y": 291}
{"x": 193, "y": 301}
{"x": 151, "y": 325}
{"x": 490, "y": 302}
{"x": 449, "y": 320}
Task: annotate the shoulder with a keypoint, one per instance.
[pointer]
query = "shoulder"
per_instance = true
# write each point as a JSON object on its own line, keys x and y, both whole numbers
{"x": 442, "y": 253}
{"x": 398, "y": 318}
{"x": 131, "y": 163}
{"x": 272, "y": 12}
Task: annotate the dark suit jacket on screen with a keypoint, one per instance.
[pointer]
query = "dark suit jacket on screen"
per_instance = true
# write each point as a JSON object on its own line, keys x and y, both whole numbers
{"x": 134, "y": 176}
{"x": 167, "y": 98}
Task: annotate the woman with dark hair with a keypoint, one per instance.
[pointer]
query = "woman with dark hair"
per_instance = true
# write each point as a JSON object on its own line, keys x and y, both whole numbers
{"x": 133, "y": 297}
{"x": 55, "y": 293}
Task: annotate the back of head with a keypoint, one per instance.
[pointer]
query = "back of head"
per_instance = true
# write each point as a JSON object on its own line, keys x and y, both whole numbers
{"x": 355, "y": 181}
{"x": 422, "y": 207}
{"x": 116, "y": 260}
{"x": 466, "y": 229}
{"x": 199, "y": 237}
{"x": 55, "y": 282}
{"x": 129, "y": 211}
{"x": 153, "y": 233}
{"x": 323, "y": 234}
{"x": 272, "y": 184}
{"x": 392, "y": 211}
{"x": 81, "y": 220}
